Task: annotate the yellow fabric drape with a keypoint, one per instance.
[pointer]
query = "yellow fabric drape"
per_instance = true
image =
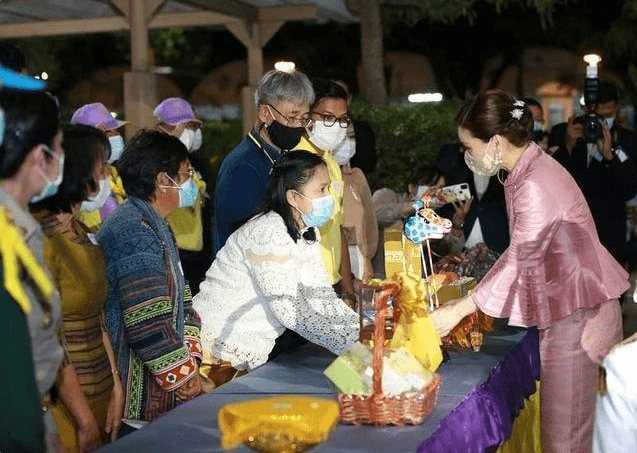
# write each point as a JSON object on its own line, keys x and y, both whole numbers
{"x": 526, "y": 436}
{"x": 295, "y": 419}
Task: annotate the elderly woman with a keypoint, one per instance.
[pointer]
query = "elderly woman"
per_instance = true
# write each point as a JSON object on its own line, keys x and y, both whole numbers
{"x": 270, "y": 276}
{"x": 79, "y": 272}
{"x": 149, "y": 314}
{"x": 283, "y": 102}
{"x": 555, "y": 274}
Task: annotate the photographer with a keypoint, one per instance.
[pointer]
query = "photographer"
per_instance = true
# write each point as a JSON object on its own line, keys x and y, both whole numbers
{"x": 604, "y": 167}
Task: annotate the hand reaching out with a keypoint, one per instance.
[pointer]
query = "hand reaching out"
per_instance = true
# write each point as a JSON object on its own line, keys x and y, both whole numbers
{"x": 189, "y": 389}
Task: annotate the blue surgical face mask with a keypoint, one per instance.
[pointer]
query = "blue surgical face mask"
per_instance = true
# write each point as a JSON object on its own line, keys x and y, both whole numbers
{"x": 320, "y": 213}
{"x": 188, "y": 192}
{"x": 117, "y": 148}
{"x": 50, "y": 188}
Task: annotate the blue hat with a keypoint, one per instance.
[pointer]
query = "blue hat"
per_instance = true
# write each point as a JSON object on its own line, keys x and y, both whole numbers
{"x": 12, "y": 79}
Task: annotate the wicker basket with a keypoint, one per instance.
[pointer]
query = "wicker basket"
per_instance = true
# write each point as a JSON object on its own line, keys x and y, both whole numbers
{"x": 379, "y": 409}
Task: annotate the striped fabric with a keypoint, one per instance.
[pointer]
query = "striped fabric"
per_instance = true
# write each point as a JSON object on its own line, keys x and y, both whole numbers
{"x": 149, "y": 314}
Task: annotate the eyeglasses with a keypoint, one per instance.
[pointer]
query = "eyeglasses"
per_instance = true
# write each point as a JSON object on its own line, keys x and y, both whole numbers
{"x": 302, "y": 121}
{"x": 331, "y": 120}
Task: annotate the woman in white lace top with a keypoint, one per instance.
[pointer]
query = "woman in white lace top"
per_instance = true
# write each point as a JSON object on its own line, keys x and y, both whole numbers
{"x": 270, "y": 275}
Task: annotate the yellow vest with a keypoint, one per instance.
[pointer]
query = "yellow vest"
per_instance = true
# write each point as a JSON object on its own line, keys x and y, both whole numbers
{"x": 331, "y": 231}
{"x": 187, "y": 224}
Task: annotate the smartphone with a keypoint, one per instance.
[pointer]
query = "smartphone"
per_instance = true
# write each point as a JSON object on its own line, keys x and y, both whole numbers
{"x": 456, "y": 192}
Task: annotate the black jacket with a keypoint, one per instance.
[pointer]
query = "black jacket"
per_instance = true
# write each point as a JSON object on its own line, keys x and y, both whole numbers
{"x": 606, "y": 185}
{"x": 491, "y": 209}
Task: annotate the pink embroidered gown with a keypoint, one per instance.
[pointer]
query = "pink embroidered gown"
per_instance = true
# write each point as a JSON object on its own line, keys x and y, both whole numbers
{"x": 557, "y": 276}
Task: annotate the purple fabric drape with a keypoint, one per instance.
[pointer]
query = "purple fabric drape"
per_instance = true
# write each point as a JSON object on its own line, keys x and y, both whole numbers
{"x": 484, "y": 419}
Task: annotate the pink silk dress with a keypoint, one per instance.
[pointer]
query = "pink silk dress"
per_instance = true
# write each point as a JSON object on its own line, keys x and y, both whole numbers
{"x": 557, "y": 276}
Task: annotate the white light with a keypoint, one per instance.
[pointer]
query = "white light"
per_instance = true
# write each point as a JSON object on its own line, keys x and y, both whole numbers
{"x": 44, "y": 76}
{"x": 592, "y": 59}
{"x": 284, "y": 66}
{"x": 582, "y": 101}
{"x": 425, "y": 97}
{"x": 113, "y": 114}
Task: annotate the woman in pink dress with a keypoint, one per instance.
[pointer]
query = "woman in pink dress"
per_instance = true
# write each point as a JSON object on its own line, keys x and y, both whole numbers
{"x": 555, "y": 274}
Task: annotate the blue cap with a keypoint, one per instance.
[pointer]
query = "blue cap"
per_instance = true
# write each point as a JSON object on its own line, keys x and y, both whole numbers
{"x": 12, "y": 79}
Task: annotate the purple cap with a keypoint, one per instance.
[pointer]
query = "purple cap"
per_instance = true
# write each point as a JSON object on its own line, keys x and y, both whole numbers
{"x": 96, "y": 115}
{"x": 174, "y": 111}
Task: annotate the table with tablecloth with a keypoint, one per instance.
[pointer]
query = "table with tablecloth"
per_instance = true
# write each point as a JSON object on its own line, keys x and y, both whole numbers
{"x": 482, "y": 395}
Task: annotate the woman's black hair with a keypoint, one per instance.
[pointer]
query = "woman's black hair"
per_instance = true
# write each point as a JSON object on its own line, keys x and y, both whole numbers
{"x": 31, "y": 118}
{"x": 290, "y": 172}
{"x": 149, "y": 153}
{"x": 424, "y": 174}
{"x": 84, "y": 146}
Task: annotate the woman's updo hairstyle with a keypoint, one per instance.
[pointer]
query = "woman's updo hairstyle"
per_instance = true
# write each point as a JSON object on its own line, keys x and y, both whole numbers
{"x": 496, "y": 112}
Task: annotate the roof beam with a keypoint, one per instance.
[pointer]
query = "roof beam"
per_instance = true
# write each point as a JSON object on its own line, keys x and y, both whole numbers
{"x": 193, "y": 19}
{"x": 121, "y": 6}
{"x": 283, "y": 13}
{"x": 235, "y": 8}
{"x": 63, "y": 27}
{"x": 153, "y": 7}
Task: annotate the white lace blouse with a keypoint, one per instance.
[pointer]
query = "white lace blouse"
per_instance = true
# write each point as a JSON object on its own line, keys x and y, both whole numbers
{"x": 262, "y": 282}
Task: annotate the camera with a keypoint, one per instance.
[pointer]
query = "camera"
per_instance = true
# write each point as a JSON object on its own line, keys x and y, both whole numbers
{"x": 590, "y": 120}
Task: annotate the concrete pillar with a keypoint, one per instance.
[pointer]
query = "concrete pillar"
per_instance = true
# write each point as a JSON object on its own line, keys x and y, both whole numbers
{"x": 255, "y": 72}
{"x": 140, "y": 85}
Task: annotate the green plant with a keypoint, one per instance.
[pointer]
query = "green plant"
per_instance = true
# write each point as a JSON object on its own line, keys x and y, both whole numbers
{"x": 219, "y": 137}
{"x": 406, "y": 135}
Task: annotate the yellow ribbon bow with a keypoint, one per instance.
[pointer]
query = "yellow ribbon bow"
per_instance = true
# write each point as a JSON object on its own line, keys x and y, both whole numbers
{"x": 15, "y": 253}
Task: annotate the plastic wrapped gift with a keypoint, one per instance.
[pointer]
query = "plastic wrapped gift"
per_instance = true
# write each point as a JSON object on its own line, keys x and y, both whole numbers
{"x": 283, "y": 424}
{"x": 392, "y": 400}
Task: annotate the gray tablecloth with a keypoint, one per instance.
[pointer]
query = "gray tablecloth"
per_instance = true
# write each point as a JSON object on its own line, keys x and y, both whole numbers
{"x": 192, "y": 427}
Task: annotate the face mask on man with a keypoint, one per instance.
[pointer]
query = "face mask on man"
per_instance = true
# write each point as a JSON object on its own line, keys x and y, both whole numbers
{"x": 488, "y": 164}
{"x": 97, "y": 201}
{"x": 327, "y": 137}
{"x": 50, "y": 188}
{"x": 191, "y": 139}
{"x": 117, "y": 148}
{"x": 197, "y": 140}
{"x": 610, "y": 121}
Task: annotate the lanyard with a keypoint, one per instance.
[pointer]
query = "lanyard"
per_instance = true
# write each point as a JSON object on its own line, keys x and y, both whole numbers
{"x": 258, "y": 143}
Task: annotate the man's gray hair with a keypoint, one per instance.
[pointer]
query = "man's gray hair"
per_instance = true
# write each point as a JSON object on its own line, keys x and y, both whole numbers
{"x": 278, "y": 85}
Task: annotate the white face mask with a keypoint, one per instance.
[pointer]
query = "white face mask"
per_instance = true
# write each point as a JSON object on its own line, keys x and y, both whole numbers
{"x": 197, "y": 140}
{"x": 538, "y": 126}
{"x": 187, "y": 138}
{"x": 345, "y": 151}
{"x": 117, "y": 148}
{"x": 97, "y": 201}
{"x": 488, "y": 164}
{"x": 327, "y": 137}
{"x": 609, "y": 122}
